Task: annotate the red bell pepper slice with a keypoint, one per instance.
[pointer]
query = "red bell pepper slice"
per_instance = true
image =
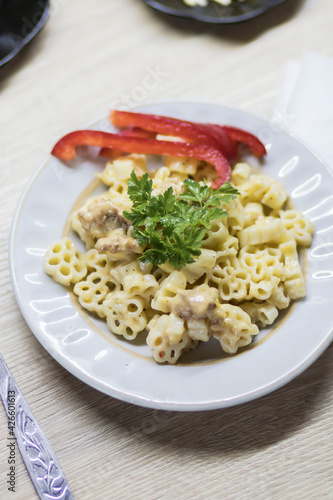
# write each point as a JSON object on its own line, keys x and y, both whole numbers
{"x": 192, "y": 132}
{"x": 137, "y": 132}
{"x": 112, "y": 154}
{"x": 228, "y": 144}
{"x": 239, "y": 135}
{"x": 65, "y": 149}
{"x": 223, "y": 138}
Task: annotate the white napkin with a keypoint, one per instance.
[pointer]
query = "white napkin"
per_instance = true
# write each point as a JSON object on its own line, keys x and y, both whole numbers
{"x": 305, "y": 104}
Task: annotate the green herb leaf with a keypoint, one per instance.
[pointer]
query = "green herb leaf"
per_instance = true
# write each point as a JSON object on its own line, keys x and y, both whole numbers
{"x": 172, "y": 229}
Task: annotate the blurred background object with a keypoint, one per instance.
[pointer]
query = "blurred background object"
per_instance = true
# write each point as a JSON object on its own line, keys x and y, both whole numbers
{"x": 213, "y": 12}
{"x": 20, "y": 21}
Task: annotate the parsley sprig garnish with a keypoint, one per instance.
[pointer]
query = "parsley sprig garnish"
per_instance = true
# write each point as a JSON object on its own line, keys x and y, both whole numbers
{"x": 172, "y": 228}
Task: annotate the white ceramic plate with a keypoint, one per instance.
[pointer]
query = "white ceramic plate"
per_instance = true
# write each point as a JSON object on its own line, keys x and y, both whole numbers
{"x": 85, "y": 347}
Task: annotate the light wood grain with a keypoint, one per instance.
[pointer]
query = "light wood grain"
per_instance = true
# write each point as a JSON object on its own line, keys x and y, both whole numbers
{"x": 89, "y": 56}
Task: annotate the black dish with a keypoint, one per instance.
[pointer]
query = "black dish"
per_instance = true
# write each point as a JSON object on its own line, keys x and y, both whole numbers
{"x": 215, "y": 13}
{"x": 20, "y": 21}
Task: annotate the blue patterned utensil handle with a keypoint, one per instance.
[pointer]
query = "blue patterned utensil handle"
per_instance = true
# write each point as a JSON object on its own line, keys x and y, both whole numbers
{"x": 24, "y": 431}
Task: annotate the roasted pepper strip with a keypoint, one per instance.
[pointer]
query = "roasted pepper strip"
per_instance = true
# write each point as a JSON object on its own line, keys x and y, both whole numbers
{"x": 112, "y": 154}
{"x": 65, "y": 149}
{"x": 137, "y": 132}
{"x": 239, "y": 135}
{"x": 223, "y": 138}
{"x": 192, "y": 132}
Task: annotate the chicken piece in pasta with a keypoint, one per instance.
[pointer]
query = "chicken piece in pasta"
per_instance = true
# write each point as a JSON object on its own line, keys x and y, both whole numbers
{"x": 101, "y": 216}
{"x": 168, "y": 338}
{"x": 65, "y": 263}
{"x": 125, "y": 314}
{"x": 196, "y": 306}
{"x": 232, "y": 327}
{"x": 197, "y": 303}
{"x": 118, "y": 245}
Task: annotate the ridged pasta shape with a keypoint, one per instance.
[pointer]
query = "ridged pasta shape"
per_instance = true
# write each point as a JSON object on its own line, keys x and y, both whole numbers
{"x": 116, "y": 172}
{"x": 263, "y": 189}
{"x": 76, "y": 225}
{"x": 232, "y": 327}
{"x": 182, "y": 165}
{"x": 64, "y": 262}
{"x": 123, "y": 269}
{"x": 264, "y": 230}
{"x": 262, "y": 314}
{"x": 232, "y": 281}
{"x": 92, "y": 291}
{"x": 198, "y": 329}
{"x": 229, "y": 248}
{"x": 247, "y": 271}
{"x": 279, "y": 297}
{"x": 168, "y": 338}
{"x": 163, "y": 180}
{"x": 252, "y": 212}
{"x": 240, "y": 173}
{"x": 294, "y": 282}
{"x": 97, "y": 261}
{"x": 125, "y": 315}
{"x": 216, "y": 235}
{"x": 262, "y": 262}
{"x": 298, "y": 226}
{"x": 143, "y": 285}
{"x": 118, "y": 194}
{"x": 169, "y": 288}
{"x": 202, "y": 265}
{"x": 104, "y": 265}
{"x": 264, "y": 289}
{"x": 235, "y": 219}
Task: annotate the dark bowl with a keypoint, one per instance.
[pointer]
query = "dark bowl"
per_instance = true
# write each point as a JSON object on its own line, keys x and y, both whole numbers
{"x": 20, "y": 21}
{"x": 214, "y": 12}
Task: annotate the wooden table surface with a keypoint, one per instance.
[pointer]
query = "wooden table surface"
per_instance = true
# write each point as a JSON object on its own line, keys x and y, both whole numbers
{"x": 90, "y": 57}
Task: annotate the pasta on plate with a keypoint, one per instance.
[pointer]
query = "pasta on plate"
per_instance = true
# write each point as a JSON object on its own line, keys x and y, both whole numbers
{"x": 247, "y": 271}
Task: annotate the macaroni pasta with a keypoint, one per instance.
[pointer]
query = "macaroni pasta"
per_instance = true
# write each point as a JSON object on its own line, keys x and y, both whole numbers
{"x": 247, "y": 271}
